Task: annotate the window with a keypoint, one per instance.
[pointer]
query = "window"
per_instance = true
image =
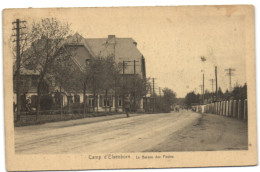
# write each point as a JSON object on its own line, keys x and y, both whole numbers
{"x": 90, "y": 102}
{"x": 69, "y": 98}
{"x": 34, "y": 81}
{"x": 34, "y": 101}
{"x": 76, "y": 98}
{"x": 106, "y": 102}
{"x": 119, "y": 101}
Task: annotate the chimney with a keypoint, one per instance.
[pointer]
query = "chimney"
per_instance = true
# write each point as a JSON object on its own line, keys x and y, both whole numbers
{"x": 135, "y": 43}
{"x": 111, "y": 39}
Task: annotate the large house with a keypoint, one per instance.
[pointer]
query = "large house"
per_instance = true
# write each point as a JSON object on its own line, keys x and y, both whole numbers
{"x": 121, "y": 49}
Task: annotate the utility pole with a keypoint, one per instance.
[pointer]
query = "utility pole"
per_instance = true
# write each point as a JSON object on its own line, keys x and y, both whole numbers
{"x": 216, "y": 78}
{"x": 134, "y": 89}
{"x": 153, "y": 96}
{"x": 160, "y": 98}
{"x": 18, "y": 39}
{"x": 203, "y": 89}
{"x": 116, "y": 97}
{"x": 123, "y": 85}
{"x": 212, "y": 83}
{"x": 134, "y": 85}
{"x": 230, "y": 74}
{"x": 212, "y": 93}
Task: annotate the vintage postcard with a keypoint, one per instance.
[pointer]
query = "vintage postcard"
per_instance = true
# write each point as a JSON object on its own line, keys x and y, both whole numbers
{"x": 129, "y": 87}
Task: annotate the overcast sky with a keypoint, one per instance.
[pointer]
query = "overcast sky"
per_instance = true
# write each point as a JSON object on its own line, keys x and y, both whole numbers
{"x": 172, "y": 41}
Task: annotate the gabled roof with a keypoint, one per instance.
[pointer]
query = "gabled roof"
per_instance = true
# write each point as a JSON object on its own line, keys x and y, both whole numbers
{"x": 122, "y": 49}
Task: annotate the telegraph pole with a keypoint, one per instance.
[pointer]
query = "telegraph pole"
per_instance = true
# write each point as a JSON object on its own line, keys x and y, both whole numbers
{"x": 216, "y": 78}
{"x": 153, "y": 96}
{"x": 123, "y": 85}
{"x": 160, "y": 98}
{"x": 212, "y": 83}
{"x": 18, "y": 39}
{"x": 230, "y": 74}
{"x": 212, "y": 93}
{"x": 203, "y": 89}
{"x": 134, "y": 85}
{"x": 134, "y": 89}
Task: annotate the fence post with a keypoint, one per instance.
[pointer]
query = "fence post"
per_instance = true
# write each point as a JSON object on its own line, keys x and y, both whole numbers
{"x": 222, "y": 107}
{"x": 234, "y": 108}
{"x": 230, "y": 107}
{"x": 228, "y": 103}
{"x": 245, "y": 109}
{"x": 219, "y": 111}
{"x": 239, "y": 109}
{"x": 227, "y": 108}
{"x": 225, "y": 113}
{"x": 218, "y": 108}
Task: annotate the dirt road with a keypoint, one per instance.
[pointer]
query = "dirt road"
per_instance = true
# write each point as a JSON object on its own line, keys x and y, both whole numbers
{"x": 118, "y": 134}
{"x": 209, "y": 133}
{"x": 183, "y": 131}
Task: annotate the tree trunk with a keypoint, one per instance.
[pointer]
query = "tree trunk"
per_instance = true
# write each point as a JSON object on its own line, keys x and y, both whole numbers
{"x": 116, "y": 101}
{"x": 96, "y": 101}
{"x": 84, "y": 99}
{"x": 106, "y": 102}
{"x": 61, "y": 104}
{"x": 38, "y": 103}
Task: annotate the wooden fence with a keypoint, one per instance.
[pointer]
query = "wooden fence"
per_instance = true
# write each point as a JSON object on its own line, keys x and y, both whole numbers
{"x": 232, "y": 108}
{"x": 29, "y": 118}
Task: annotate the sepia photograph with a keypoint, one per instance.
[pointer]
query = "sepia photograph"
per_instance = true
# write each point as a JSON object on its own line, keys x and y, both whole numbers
{"x": 129, "y": 86}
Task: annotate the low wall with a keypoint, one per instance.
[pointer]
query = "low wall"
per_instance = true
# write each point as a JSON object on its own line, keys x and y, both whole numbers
{"x": 199, "y": 108}
{"x": 232, "y": 108}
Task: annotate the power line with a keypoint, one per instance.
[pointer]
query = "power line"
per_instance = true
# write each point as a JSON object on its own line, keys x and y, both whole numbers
{"x": 230, "y": 74}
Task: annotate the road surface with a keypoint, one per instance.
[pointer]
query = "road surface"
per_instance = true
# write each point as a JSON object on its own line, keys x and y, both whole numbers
{"x": 175, "y": 131}
{"x": 135, "y": 134}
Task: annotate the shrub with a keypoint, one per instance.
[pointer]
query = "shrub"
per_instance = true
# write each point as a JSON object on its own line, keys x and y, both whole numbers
{"x": 46, "y": 102}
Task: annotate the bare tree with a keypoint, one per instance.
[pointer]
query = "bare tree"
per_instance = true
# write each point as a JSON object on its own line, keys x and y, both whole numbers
{"x": 67, "y": 76}
{"x": 45, "y": 38}
{"x": 101, "y": 74}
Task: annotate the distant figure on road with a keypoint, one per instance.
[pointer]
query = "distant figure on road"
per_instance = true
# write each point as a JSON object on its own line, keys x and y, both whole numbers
{"x": 127, "y": 105}
{"x": 177, "y": 109}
